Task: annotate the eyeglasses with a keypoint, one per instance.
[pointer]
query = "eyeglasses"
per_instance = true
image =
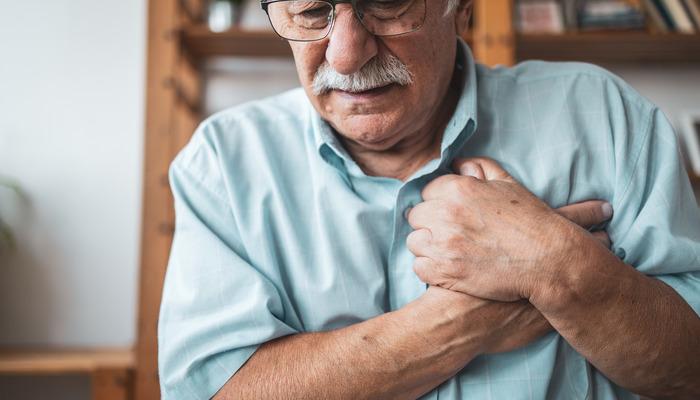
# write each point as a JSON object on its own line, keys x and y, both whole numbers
{"x": 307, "y": 21}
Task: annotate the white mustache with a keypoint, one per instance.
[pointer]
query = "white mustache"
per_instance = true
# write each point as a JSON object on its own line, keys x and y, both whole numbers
{"x": 378, "y": 72}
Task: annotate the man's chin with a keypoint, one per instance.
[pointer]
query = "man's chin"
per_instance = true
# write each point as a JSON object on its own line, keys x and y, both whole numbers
{"x": 380, "y": 138}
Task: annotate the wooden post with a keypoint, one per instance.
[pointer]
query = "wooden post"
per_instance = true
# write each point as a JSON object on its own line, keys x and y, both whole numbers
{"x": 111, "y": 384}
{"x": 173, "y": 100}
{"x": 494, "y": 39}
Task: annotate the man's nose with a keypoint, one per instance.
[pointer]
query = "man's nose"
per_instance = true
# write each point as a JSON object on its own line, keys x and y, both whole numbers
{"x": 350, "y": 45}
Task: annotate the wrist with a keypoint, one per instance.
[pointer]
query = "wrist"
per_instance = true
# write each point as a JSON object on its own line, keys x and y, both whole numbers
{"x": 449, "y": 319}
{"x": 566, "y": 267}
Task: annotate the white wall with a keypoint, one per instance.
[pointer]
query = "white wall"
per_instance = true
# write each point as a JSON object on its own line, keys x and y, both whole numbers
{"x": 674, "y": 88}
{"x": 71, "y": 127}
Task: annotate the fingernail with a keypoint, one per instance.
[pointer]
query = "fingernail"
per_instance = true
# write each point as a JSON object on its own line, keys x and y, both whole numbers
{"x": 607, "y": 210}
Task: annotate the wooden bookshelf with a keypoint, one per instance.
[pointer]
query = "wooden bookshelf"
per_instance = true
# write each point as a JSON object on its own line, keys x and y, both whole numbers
{"x": 610, "y": 47}
{"x": 203, "y": 43}
{"x": 111, "y": 370}
{"x": 600, "y": 47}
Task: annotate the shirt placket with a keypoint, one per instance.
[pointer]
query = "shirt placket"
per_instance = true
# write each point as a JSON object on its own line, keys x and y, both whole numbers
{"x": 404, "y": 285}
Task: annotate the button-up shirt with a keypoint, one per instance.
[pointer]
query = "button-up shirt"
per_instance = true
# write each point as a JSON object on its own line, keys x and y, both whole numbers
{"x": 279, "y": 231}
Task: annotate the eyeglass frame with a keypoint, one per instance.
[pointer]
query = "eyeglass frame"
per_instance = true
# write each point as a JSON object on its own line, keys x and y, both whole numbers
{"x": 266, "y": 3}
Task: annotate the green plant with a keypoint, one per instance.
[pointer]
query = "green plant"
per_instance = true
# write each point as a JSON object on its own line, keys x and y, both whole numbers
{"x": 7, "y": 240}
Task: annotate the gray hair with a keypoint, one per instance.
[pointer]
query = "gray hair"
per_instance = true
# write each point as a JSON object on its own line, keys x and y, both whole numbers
{"x": 380, "y": 71}
{"x": 451, "y": 6}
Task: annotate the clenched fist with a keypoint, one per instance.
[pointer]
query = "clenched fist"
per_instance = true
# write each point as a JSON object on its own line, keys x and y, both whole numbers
{"x": 488, "y": 236}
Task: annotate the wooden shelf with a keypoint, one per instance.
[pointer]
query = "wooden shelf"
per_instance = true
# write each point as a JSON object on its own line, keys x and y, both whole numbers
{"x": 610, "y": 47}
{"x": 203, "y": 43}
{"x": 63, "y": 361}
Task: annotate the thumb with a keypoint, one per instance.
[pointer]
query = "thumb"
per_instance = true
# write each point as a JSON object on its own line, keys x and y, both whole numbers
{"x": 481, "y": 168}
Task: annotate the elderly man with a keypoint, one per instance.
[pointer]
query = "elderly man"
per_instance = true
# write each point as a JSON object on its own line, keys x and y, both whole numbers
{"x": 352, "y": 239}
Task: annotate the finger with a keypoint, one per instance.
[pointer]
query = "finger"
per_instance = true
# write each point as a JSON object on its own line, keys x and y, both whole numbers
{"x": 603, "y": 238}
{"x": 418, "y": 217}
{"x": 418, "y": 242}
{"x": 588, "y": 213}
{"x": 425, "y": 270}
{"x": 492, "y": 170}
{"x": 470, "y": 167}
{"x": 444, "y": 187}
{"x": 424, "y": 215}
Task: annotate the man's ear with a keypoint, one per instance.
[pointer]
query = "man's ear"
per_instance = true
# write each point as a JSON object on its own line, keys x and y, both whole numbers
{"x": 463, "y": 14}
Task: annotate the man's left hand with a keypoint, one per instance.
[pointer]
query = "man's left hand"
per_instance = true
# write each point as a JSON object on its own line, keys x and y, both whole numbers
{"x": 488, "y": 236}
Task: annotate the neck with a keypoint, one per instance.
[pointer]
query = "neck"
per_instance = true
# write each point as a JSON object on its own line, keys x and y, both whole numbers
{"x": 402, "y": 160}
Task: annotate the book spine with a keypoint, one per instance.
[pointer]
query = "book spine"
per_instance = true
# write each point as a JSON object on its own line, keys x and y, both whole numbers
{"x": 665, "y": 14}
{"x": 693, "y": 7}
{"x": 680, "y": 17}
{"x": 657, "y": 20}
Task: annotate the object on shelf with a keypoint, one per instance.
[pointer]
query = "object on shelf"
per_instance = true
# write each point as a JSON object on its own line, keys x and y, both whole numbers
{"x": 224, "y": 14}
{"x": 658, "y": 21}
{"x": 693, "y": 8}
{"x": 681, "y": 16}
{"x": 611, "y": 15}
{"x": 540, "y": 16}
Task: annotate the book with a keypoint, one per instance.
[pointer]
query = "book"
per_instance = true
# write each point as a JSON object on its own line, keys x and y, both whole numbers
{"x": 693, "y": 9}
{"x": 571, "y": 10}
{"x": 680, "y": 18}
{"x": 655, "y": 16}
{"x": 665, "y": 14}
{"x": 612, "y": 14}
{"x": 540, "y": 16}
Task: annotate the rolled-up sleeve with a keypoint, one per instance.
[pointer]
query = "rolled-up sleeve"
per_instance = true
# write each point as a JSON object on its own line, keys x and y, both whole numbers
{"x": 656, "y": 227}
{"x": 217, "y": 308}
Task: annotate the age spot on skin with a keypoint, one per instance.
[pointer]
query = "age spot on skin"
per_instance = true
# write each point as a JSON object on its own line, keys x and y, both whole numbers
{"x": 514, "y": 202}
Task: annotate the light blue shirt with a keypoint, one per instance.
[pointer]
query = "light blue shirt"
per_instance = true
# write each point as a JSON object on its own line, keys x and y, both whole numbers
{"x": 279, "y": 231}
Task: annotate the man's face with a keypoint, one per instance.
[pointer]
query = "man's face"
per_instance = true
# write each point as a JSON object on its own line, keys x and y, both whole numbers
{"x": 380, "y": 118}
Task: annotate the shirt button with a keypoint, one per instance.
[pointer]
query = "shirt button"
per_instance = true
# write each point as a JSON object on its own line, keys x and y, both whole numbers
{"x": 621, "y": 253}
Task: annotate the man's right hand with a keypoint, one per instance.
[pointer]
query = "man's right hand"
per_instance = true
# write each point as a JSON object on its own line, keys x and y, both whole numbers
{"x": 497, "y": 326}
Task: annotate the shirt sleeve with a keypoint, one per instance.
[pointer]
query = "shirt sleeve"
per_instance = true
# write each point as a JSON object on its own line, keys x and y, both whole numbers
{"x": 217, "y": 308}
{"x": 656, "y": 227}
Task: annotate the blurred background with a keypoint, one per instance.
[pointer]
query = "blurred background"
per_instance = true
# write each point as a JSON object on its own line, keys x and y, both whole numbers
{"x": 97, "y": 96}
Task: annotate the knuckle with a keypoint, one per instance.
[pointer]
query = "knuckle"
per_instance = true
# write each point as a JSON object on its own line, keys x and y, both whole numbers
{"x": 452, "y": 241}
{"x": 452, "y": 211}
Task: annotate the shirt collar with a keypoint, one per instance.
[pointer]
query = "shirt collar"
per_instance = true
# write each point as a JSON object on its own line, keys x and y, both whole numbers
{"x": 461, "y": 125}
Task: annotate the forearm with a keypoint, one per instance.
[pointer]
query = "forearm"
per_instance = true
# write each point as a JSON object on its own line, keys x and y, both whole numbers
{"x": 391, "y": 356}
{"x": 636, "y": 330}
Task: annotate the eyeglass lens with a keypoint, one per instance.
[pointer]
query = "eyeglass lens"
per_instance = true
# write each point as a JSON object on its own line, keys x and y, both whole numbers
{"x": 312, "y": 20}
